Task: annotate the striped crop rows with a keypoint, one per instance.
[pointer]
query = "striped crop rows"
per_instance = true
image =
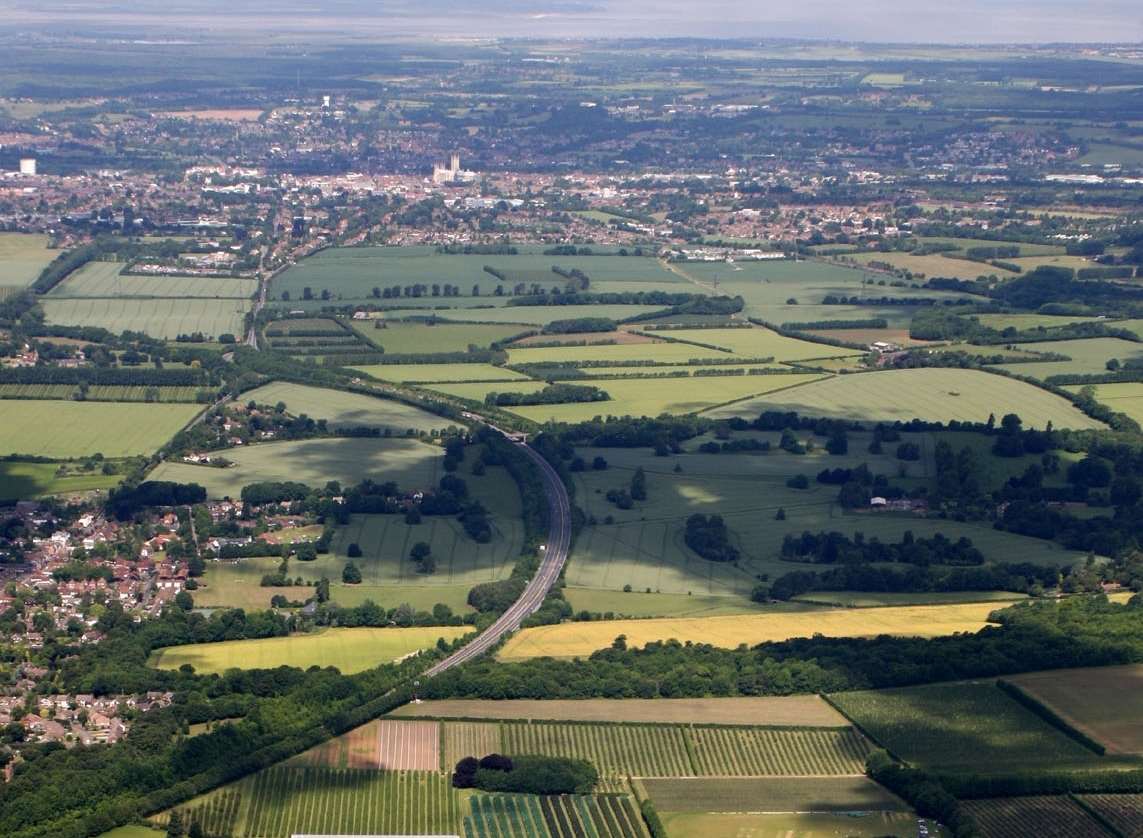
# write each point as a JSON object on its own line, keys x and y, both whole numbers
{"x": 555, "y": 816}
{"x": 756, "y": 751}
{"x": 100, "y": 392}
{"x": 1122, "y": 811}
{"x": 644, "y": 750}
{"x": 284, "y": 801}
{"x": 215, "y": 814}
{"x": 681, "y": 751}
{"x": 1016, "y": 817}
{"x": 469, "y": 739}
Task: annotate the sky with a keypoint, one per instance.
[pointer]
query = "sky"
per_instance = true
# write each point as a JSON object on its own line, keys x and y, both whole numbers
{"x": 884, "y": 21}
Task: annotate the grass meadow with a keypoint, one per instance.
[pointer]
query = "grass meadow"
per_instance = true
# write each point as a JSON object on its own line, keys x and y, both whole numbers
{"x": 937, "y": 395}
{"x": 22, "y": 257}
{"x": 343, "y": 409}
{"x": 1089, "y": 356}
{"x": 411, "y": 463}
{"x": 933, "y": 264}
{"x": 103, "y": 279}
{"x": 64, "y": 429}
{"x": 542, "y": 315}
{"x": 643, "y": 546}
{"x": 638, "y": 396}
{"x": 568, "y": 640}
{"x": 785, "y": 794}
{"x": 434, "y": 373}
{"x": 20, "y": 481}
{"x": 349, "y": 649}
{"x": 407, "y": 337}
{"x": 961, "y": 727}
{"x": 1122, "y": 398}
{"x": 164, "y": 318}
{"x": 352, "y": 273}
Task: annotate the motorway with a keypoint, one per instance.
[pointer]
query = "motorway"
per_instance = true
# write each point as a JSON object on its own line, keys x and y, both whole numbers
{"x": 555, "y": 553}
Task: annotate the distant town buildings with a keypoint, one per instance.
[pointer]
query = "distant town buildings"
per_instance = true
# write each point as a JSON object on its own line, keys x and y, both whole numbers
{"x": 28, "y": 166}
{"x": 453, "y": 173}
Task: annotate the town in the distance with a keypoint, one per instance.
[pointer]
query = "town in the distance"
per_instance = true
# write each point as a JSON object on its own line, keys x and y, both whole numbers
{"x": 536, "y": 437}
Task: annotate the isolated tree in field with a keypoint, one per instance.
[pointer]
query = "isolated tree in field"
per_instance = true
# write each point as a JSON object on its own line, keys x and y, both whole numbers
{"x": 175, "y": 825}
{"x": 321, "y": 590}
{"x": 351, "y": 574}
{"x": 639, "y": 485}
{"x": 599, "y": 464}
{"x": 838, "y": 443}
{"x": 353, "y": 550}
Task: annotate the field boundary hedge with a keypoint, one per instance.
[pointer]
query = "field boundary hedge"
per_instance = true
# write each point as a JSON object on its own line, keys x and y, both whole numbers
{"x": 1030, "y": 702}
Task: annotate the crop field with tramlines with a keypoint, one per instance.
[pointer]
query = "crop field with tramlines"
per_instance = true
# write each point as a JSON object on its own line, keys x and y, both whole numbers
{"x": 555, "y": 816}
{"x": 759, "y": 751}
{"x": 285, "y": 800}
{"x": 469, "y": 739}
{"x": 684, "y": 751}
{"x": 642, "y": 750}
{"x": 960, "y": 727}
{"x": 1015, "y": 817}
{"x": 1122, "y": 811}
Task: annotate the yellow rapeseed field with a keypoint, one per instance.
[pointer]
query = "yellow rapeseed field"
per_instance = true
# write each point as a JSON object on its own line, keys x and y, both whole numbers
{"x": 581, "y": 639}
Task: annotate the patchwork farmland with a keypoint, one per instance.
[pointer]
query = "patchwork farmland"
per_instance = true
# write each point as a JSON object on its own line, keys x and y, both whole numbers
{"x": 64, "y": 429}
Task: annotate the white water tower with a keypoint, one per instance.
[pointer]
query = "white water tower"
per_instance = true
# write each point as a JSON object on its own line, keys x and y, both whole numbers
{"x": 27, "y": 165}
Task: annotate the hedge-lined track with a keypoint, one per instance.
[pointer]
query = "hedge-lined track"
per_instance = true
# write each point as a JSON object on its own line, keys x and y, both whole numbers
{"x": 759, "y": 751}
{"x": 1016, "y": 817}
{"x": 643, "y": 750}
{"x": 284, "y": 801}
{"x": 469, "y": 739}
{"x": 1122, "y": 811}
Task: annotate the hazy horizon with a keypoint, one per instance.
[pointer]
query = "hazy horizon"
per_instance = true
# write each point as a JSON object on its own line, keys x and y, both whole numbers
{"x": 870, "y": 21}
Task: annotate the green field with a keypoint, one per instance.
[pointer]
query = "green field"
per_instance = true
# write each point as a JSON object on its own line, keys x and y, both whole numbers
{"x": 857, "y": 599}
{"x": 411, "y": 463}
{"x": 20, "y": 481}
{"x": 63, "y": 429}
{"x": 282, "y": 801}
{"x": 638, "y": 396}
{"x": 161, "y": 318}
{"x": 965, "y": 727}
{"x": 935, "y": 395}
{"x": 755, "y": 342}
{"x": 349, "y": 649}
{"x": 22, "y": 257}
{"x": 1122, "y": 398}
{"x": 1088, "y": 357}
{"x": 542, "y": 315}
{"x": 414, "y": 338}
{"x": 688, "y": 751}
{"x": 766, "y": 794}
{"x": 351, "y": 273}
{"x": 402, "y": 373}
{"x": 236, "y": 584}
{"x": 792, "y": 825}
{"x": 100, "y": 392}
{"x": 103, "y": 279}
{"x": 643, "y": 547}
{"x": 665, "y": 353}
{"x": 641, "y": 604}
{"x": 768, "y": 286}
{"x": 554, "y": 816}
{"x": 1029, "y": 321}
{"x": 342, "y": 409}
{"x": 932, "y": 265}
